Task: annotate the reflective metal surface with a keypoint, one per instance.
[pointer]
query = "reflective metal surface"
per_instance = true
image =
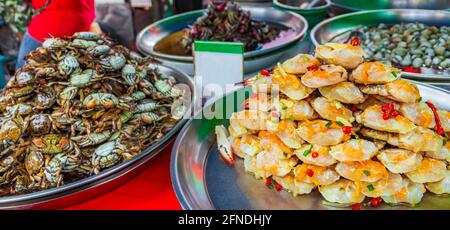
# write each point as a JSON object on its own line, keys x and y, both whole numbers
{"x": 95, "y": 185}
{"x": 201, "y": 180}
{"x": 313, "y": 15}
{"x": 357, "y": 5}
{"x": 295, "y": 4}
{"x": 151, "y": 35}
{"x": 253, "y": 1}
{"x": 338, "y": 28}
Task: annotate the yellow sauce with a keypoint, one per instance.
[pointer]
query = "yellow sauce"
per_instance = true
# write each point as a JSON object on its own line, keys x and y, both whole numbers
{"x": 352, "y": 152}
{"x": 403, "y": 85}
{"x": 318, "y": 126}
{"x": 286, "y": 126}
{"x": 300, "y": 173}
{"x": 275, "y": 140}
{"x": 372, "y": 67}
{"x": 321, "y": 73}
{"x": 425, "y": 118}
{"x": 250, "y": 140}
{"x": 402, "y": 195}
{"x": 289, "y": 80}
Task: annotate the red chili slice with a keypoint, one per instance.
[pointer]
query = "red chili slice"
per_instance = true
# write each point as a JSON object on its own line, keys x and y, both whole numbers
{"x": 411, "y": 69}
{"x": 356, "y": 207}
{"x": 387, "y": 107}
{"x": 439, "y": 128}
{"x": 312, "y": 67}
{"x": 265, "y": 73}
{"x": 394, "y": 113}
{"x": 309, "y": 172}
{"x": 354, "y": 41}
{"x": 374, "y": 202}
{"x": 278, "y": 187}
{"x": 347, "y": 129}
{"x": 314, "y": 154}
{"x": 268, "y": 181}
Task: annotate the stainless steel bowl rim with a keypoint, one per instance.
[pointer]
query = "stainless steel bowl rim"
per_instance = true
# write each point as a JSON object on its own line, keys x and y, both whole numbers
{"x": 278, "y": 3}
{"x": 249, "y": 54}
{"x": 416, "y": 76}
{"x": 6, "y": 200}
{"x": 347, "y": 7}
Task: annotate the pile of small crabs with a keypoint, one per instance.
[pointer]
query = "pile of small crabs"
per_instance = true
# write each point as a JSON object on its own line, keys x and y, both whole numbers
{"x": 80, "y": 105}
{"x": 350, "y": 128}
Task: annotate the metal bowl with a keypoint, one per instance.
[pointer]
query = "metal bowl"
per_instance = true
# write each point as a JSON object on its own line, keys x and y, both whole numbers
{"x": 87, "y": 188}
{"x": 253, "y": 1}
{"x": 313, "y": 15}
{"x": 338, "y": 28}
{"x": 345, "y": 6}
{"x": 151, "y": 35}
{"x": 201, "y": 180}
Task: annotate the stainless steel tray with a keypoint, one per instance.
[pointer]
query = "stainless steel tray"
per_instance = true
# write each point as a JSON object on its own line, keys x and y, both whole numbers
{"x": 151, "y": 35}
{"x": 357, "y": 5}
{"x": 201, "y": 180}
{"x": 337, "y": 29}
{"x": 103, "y": 182}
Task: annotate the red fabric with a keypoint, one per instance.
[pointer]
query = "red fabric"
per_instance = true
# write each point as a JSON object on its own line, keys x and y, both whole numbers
{"x": 61, "y": 18}
{"x": 150, "y": 190}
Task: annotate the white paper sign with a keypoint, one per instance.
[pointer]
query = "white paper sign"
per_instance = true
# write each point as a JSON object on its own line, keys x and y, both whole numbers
{"x": 218, "y": 66}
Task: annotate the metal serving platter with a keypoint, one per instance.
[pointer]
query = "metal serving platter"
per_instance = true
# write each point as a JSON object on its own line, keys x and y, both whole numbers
{"x": 105, "y": 181}
{"x": 337, "y": 29}
{"x": 201, "y": 180}
{"x": 149, "y": 37}
{"x": 358, "y": 5}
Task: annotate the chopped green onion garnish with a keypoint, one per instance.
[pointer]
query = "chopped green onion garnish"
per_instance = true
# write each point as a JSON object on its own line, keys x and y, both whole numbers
{"x": 271, "y": 186}
{"x": 420, "y": 99}
{"x": 340, "y": 123}
{"x": 329, "y": 124}
{"x": 395, "y": 74}
{"x": 444, "y": 142}
{"x": 366, "y": 172}
{"x": 370, "y": 187}
{"x": 357, "y": 136}
{"x": 305, "y": 58}
{"x": 292, "y": 118}
{"x": 307, "y": 152}
{"x": 284, "y": 107}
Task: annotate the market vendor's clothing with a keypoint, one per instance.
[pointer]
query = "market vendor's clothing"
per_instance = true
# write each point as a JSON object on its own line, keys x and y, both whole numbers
{"x": 61, "y": 18}
{"x": 28, "y": 44}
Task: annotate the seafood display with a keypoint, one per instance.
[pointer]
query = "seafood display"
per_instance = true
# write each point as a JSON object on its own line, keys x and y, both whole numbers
{"x": 226, "y": 21}
{"x": 81, "y": 105}
{"x": 17, "y": 13}
{"x": 406, "y": 45}
{"x": 354, "y": 130}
